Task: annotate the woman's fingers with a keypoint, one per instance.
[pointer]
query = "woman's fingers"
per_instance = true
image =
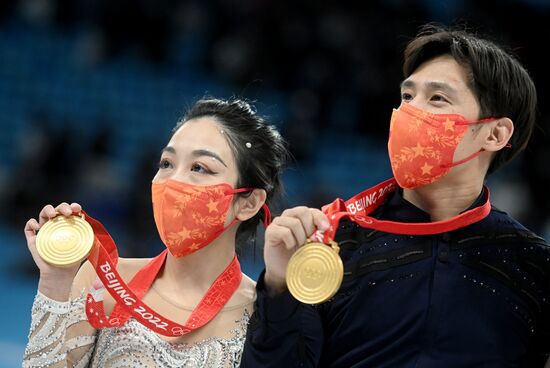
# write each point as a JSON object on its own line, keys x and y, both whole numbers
{"x": 64, "y": 209}
{"x": 31, "y": 227}
{"x": 47, "y": 213}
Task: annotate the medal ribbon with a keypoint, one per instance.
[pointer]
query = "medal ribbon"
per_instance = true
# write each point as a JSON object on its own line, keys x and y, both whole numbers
{"x": 104, "y": 258}
{"x": 358, "y": 208}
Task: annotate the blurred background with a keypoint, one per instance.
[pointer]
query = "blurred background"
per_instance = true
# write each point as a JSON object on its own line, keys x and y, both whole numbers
{"x": 90, "y": 90}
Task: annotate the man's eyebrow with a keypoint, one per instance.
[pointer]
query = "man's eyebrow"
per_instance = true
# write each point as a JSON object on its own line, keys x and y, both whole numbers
{"x": 444, "y": 86}
{"x": 204, "y": 152}
{"x": 407, "y": 83}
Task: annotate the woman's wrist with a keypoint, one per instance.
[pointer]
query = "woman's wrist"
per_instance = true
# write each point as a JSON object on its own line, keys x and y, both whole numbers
{"x": 57, "y": 288}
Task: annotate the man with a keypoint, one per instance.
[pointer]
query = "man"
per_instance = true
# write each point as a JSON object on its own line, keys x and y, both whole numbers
{"x": 476, "y": 296}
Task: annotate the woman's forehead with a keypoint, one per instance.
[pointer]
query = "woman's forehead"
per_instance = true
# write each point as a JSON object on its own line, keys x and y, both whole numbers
{"x": 201, "y": 134}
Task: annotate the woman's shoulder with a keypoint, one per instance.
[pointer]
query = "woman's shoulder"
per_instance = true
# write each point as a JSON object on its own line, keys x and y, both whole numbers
{"x": 244, "y": 295}
{"x": 126, "y": 267}
{"x": 248, "y": 286}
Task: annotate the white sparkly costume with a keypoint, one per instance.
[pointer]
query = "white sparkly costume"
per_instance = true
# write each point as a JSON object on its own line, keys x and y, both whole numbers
{"x": 60, "y": 336}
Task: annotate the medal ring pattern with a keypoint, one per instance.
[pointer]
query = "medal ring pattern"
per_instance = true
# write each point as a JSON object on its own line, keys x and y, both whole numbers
{"x": 64, "y": 241}
{"x": 314, "y": 273}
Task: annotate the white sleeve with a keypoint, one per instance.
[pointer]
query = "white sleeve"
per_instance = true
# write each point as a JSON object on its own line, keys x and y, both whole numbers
{"x": 60, "y": 335}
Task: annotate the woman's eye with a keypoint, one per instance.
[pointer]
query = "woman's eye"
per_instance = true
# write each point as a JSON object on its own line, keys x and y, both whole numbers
{"x": 164, "y": 164}
{"x": 199, "y": 168}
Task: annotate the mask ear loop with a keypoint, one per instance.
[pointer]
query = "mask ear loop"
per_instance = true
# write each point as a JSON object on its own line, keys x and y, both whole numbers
{"x": 453, "y": 164}
{"x": 267, "y": 212}
{"x": 448, "y": 166}
{"x": 267, "y": 215}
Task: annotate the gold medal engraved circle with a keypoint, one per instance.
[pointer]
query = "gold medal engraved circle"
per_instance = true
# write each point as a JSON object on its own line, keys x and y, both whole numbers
{"x": 315, "y": 272}
{"x": 64, "y": 241}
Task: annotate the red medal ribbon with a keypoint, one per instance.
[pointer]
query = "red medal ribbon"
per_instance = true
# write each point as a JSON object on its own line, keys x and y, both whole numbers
{"x": 358, "y": 208}
{"x": 104, "y": 257}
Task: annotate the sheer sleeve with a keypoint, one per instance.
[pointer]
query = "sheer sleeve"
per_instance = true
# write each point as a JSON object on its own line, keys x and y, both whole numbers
{"x": 60, "y": 335}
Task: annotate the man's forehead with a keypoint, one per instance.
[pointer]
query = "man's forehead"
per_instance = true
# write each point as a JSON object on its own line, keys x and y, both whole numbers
{"x": 444, "y": 85}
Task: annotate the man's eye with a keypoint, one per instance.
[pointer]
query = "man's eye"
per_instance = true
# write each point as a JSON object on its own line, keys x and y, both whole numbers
{"x": 438, "y": 98}
{"x": 406, "y": 96}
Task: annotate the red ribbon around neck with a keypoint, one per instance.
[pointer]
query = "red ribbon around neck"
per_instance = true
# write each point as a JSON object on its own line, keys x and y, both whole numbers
{"x": 359, "y": 207}
{"x": 104, "y": 258}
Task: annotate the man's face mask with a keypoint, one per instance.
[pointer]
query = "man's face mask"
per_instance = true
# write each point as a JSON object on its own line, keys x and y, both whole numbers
{"x": 422, "y": 144}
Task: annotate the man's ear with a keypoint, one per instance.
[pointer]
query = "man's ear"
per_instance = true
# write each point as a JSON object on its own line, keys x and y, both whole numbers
{"x": 248, "y": 206}
{"x": 499, "y": 135}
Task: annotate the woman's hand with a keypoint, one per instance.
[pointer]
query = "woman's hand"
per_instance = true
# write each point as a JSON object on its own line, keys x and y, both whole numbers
{"x": 55, "y": 282}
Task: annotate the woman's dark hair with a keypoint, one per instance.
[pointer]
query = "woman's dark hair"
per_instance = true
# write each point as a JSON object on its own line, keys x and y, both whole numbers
{"x": 499, "y": 82}
{"x": 259, "y": 150}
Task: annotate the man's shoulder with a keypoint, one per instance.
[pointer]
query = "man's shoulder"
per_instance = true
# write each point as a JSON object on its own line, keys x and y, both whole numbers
{"x": 497, "y": 228}
{"x": 502, "y": 226}
{"x": 501, "y": 231}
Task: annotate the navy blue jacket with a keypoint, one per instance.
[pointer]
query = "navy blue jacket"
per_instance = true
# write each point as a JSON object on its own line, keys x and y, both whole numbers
{"x": 475, "y": 297}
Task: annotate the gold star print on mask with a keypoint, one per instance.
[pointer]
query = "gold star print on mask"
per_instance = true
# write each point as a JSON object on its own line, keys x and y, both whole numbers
{"x": 194, "y": 246}
{"x": 212, "y": 206}
{"x": 418, "y": 150}
{"x": 426, "y": 169}
{"x": 449, "y": 125}
{"x": 179, "y": 236}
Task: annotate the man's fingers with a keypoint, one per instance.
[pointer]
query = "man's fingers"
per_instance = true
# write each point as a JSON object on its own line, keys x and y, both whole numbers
{"x": 296, "y": 227}
{"x": 280, "y": 235}
{"x": 312, "y": 218}
{"x": 320, "y": 219}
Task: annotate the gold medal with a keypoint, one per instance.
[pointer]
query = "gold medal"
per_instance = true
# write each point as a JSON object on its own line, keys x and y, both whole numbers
{"x": 65, "y": 241}
{"x": 315, "y": 272}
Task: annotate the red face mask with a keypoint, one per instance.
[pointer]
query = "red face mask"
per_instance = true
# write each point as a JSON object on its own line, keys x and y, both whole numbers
{"x": 189, "y": 217}
{"x": 422, "y": 144}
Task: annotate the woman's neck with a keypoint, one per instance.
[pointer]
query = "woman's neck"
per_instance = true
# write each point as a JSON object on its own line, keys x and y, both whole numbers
{"x": 193, "y": 274}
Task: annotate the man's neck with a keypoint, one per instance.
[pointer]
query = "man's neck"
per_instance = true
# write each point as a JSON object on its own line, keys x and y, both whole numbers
{"x": 446, "y": 198}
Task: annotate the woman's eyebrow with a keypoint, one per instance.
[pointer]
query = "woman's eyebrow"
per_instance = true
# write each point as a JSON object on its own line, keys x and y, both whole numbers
{"x": 204, "y": 152}
{"x": 196, "y": 153}
{"x": 168, "y": 149}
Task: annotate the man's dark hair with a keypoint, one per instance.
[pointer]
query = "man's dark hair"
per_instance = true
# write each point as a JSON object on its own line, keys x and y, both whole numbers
{"x": 500, "y": 83}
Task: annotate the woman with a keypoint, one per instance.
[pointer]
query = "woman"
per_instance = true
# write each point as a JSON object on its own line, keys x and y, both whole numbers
{"x": 219, "y": 145}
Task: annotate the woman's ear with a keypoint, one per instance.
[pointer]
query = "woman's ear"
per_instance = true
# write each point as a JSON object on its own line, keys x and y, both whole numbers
{"x": 500, "y": 133}
{"x": 248, "y": 207}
